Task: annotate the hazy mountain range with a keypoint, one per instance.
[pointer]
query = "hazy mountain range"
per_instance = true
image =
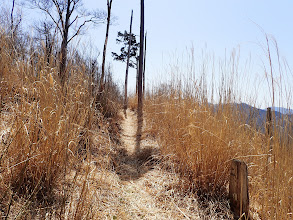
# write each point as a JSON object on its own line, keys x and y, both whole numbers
{"x": 257, "y": 117}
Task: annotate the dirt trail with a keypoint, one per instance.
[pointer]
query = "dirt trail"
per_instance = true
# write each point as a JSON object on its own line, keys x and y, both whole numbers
{"x": 147, "y": 189}
{"x": 129, "y": 132}
{"x": 143, "y": 185}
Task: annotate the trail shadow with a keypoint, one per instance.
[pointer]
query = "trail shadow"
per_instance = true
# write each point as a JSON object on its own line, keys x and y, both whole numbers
{"x": 138, "y": 134}
{"x": 134, "y": 166}
{"x": 136, "y": 156}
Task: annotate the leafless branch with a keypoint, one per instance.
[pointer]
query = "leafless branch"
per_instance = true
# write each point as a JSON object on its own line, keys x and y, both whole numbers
{"x": 11, "y": 15}
{"x": 74, "y": 20}
{"x": 50, "y": 15}
{"x": 79, "y": 28}
{"x": 60, "y": 12}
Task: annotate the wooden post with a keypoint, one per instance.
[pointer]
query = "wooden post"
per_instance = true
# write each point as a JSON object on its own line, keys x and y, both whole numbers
{"x": 238, "y": 189}
{"x": 269, "y": 128}
{"x": 269, "y": 135}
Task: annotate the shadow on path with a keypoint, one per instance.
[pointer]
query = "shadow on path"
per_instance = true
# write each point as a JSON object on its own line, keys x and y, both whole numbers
{"x": 135, "y": 157}
{"x": 133, "y": 166}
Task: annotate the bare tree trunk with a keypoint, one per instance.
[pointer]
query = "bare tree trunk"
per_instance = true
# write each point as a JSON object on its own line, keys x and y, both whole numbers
{"x": 49, "y": 42}
{"x": 12, "y": 42}
{"x": 136, "y": 81}
{"x": 109, "y": 6}
{"x": 127, "y": 66}
{"x": 63, "y": 62}
{"x": 139, "y": 90}
{"x": 48, "y": 49}
{"x": 62, "y": 72}
{"x": 60, "y": 15}
{"x": 11, "y": 17}
{"x": 143, "y": 76}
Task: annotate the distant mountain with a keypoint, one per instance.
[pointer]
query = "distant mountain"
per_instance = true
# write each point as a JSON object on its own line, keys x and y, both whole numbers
{"x": 257, "y": 117}
{"x": 282, "y": 115}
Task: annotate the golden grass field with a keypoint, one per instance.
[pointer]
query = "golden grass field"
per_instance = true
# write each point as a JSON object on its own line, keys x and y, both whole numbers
{"x": 60, "y": 149}
{"x": 202, "y": 139}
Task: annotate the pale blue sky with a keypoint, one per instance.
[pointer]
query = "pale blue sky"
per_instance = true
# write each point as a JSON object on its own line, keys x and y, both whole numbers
{"x": 211, "y": 25}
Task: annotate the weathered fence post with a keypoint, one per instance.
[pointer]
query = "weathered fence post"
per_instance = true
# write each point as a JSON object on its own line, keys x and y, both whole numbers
{"x": 269, "y": 127}
{"x": 269, "y": 134}
{"x": 238, "y": 189}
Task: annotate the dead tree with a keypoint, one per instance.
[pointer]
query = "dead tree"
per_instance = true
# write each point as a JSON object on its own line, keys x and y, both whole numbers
{"x": 14, "y": 26}
{"x": 139, "y": 89}
{"x": 46, "y": 34}
{"x": 109, "y": 7}
{"x": 128, "y": 55}
{"x": 143, "y": 76}
{"x": 127, "y": 67}
{"x": 136, "y": 79}
{"x": 65, "y": 16}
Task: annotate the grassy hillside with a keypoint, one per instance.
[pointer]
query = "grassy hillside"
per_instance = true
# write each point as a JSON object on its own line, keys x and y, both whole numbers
{"x": 50, "y": 134}
{"x": 59, "y": 154}
{"x": 201, "y": 140}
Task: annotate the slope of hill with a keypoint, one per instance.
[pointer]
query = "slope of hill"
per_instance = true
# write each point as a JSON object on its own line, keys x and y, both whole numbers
{"x": 257, "y": 117}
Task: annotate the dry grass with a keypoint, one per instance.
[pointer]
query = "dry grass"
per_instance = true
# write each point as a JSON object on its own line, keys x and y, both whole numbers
{"x": 201, "y": 139}
{"x": 149, "y": 187}
{"x": 132, "y": 103}
{"x": 57, "y": 150}
{"x": 47, "y": 132}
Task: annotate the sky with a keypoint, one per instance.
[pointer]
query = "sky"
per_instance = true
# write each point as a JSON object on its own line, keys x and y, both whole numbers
{"x": 209, "y": 28}
{"x": 215, "y": 28}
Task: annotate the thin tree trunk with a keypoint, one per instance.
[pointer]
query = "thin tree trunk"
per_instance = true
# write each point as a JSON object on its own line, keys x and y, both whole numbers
{"x": 136, "y": 81}
{"x": 11, "y": 17}
{"x": 143, "y": 76}
{"x": 62, "y": 72}
{"x": 49, "y": 43}
{"x": 127, "y": 66}
{"x": 63, "y": 61}
{"x": 139, "y": 90}
{"x": 109, "y": 5}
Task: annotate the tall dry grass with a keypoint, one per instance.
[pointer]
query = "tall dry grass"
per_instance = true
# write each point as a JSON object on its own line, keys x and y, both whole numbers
{"x": 202, "y": 138}
{"x": 49, "y": 136}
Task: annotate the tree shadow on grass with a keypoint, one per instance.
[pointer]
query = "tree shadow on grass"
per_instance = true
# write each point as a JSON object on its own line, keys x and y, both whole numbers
{"x": 138, "y": 134}
{"x": 133, "y": 166}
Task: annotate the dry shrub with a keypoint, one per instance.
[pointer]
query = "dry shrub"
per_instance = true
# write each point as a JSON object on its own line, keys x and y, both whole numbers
{"x": 132, "y": 103}
{"x": 46, "y": 132}
{"x": 202, "y": 139}
{"x": 109, "y": 101}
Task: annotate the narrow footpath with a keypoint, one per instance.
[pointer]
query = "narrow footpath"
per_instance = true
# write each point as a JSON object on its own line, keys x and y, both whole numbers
{"x": 147, "y": 188}
{"x": 143, "y": 184}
